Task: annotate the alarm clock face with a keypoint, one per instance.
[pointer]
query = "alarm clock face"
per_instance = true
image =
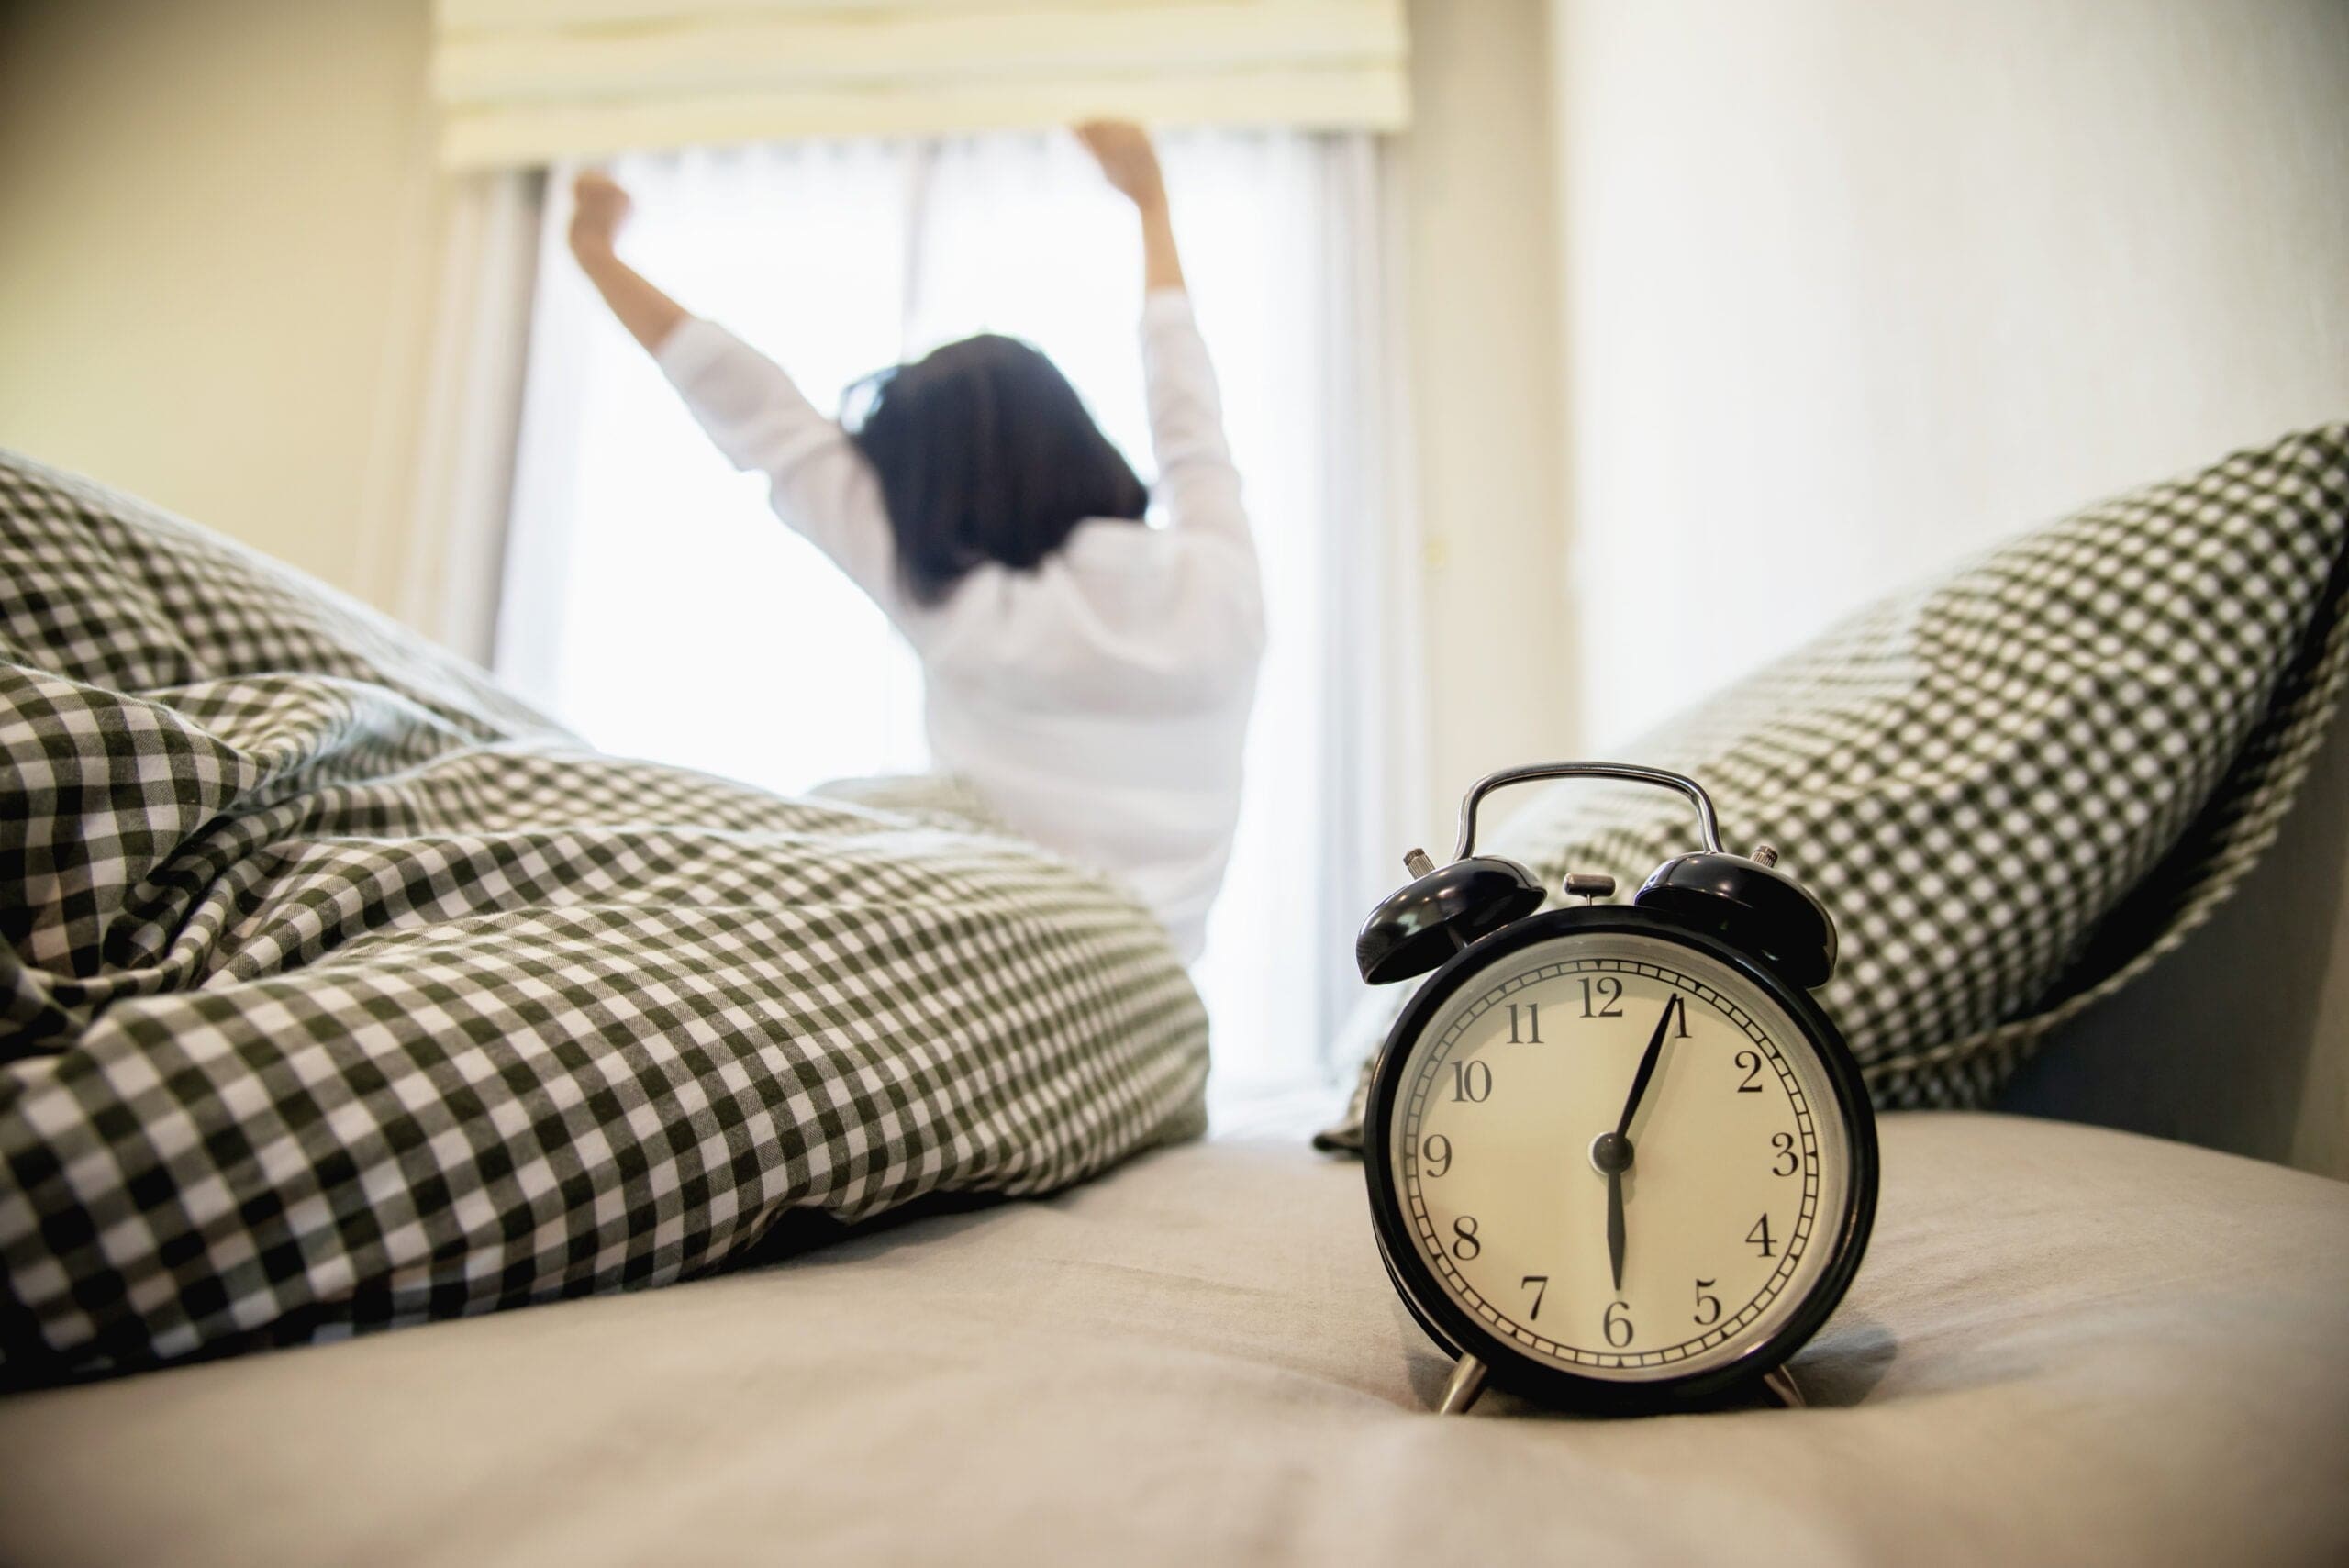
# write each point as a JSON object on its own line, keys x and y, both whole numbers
{"x": 1545, "y": 1206}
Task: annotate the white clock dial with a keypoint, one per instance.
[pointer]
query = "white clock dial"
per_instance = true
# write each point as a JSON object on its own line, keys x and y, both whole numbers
{"x": 1739, "y": 1165}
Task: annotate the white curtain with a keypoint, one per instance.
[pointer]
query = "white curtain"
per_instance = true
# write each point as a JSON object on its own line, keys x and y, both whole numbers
{"x": 435, "y": 496}
{"x": 466, "y": 437}
{"x": 651, "y": 600}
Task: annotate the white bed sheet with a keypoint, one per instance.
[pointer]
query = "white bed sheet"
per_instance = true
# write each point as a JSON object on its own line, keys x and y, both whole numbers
{"x": 2067, "y": 1345}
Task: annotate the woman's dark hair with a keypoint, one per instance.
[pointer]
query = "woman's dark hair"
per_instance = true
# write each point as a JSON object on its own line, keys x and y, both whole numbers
{"x": 984, "y": 453}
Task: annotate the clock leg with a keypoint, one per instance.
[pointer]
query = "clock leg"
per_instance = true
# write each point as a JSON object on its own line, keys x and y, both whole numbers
{"x": 1467, "y": 1382}
{"x": 1781, "y": 1383}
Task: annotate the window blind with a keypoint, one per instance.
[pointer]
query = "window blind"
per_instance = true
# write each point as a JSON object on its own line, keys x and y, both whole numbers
{"x": 525, "y": 81}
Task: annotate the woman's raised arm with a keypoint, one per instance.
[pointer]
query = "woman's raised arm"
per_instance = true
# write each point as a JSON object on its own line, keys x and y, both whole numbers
{"x": 1128, "y": 162}
{"x": 746, "y": 404}
{"x": 1197, "y": 485}
{"x": 599, "y": 209}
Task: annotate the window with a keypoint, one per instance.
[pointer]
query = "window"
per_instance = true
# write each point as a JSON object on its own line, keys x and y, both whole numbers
{"x": 654, "y": 603}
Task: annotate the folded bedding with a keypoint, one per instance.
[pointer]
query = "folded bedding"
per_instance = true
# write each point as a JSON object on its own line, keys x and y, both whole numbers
{"x": 2020, "y": 785}
{"x": 339, "y": 990}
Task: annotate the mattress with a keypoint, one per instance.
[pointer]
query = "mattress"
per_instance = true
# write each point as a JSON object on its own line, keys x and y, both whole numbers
{"x": 2067, "y": 1344}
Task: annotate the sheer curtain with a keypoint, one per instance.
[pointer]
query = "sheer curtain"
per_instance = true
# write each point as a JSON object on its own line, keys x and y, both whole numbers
{"x": 653, "y": 601}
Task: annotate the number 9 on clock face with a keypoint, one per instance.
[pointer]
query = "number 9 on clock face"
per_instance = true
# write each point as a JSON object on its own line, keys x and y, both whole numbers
{"x": 1623, "y": 1162}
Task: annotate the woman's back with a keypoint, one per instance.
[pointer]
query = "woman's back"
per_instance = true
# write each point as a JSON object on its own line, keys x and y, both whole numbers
{"x": 1099, "y": 706}
{"x": 1098, "y": 702}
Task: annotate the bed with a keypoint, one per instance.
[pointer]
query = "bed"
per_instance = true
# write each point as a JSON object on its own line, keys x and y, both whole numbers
{"x": 2068, "y": 1345}
{"x": 882, "y": 1228}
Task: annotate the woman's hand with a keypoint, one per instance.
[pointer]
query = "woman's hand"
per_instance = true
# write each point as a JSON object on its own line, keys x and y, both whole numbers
{"x": 1131, "y": 164}
{"x": 1127, "y": 160}
{"x": 599, "y": 210}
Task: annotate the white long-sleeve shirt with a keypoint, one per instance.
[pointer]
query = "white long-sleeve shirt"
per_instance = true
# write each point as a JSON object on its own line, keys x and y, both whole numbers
{"x": 1098, "y": 703}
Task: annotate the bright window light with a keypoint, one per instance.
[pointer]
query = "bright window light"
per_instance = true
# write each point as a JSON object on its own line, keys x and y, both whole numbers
{"x": 655, "y": 605}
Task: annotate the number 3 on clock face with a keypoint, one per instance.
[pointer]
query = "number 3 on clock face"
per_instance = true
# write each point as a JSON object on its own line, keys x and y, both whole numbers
{"x": 1618, "y": 1156}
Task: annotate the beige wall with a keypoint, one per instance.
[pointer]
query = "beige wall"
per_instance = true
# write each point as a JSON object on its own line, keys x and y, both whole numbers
{"x": 209, "y": 226}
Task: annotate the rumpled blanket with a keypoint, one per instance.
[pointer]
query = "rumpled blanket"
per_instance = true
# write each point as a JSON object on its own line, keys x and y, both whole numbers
{"x": 341, "y": 990}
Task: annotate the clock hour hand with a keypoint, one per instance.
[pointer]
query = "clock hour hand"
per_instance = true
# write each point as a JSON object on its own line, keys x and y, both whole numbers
{"x": 1615, "y": 1225}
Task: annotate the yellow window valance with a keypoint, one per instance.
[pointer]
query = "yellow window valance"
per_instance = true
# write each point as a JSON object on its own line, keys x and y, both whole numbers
{"x": 523, "y": 82}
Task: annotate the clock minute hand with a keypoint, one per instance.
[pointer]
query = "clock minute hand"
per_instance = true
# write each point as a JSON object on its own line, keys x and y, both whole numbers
{"x": 1647, "y": 1069}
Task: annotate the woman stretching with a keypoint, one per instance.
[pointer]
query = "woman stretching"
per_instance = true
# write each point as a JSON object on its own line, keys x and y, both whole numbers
{"x": 1089, "y": 675}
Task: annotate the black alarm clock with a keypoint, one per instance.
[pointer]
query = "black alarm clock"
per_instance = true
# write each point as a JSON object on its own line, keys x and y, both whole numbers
{"x": 1618, "y": 1159}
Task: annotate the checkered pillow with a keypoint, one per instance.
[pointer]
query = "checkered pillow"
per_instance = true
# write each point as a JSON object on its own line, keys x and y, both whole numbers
{"x": 2018, "y": 787}
{"x": 341, "y": 991}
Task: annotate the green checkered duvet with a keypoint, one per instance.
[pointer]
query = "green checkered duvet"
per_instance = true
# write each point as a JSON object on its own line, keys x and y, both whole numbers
{"x": 339, "y": 991}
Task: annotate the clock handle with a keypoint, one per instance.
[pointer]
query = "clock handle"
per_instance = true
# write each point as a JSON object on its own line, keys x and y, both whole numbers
{"x": 1623, "y": 771}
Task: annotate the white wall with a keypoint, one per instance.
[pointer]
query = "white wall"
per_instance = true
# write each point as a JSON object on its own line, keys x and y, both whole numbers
{"x": 1897, "y": 276}
{"x": 1482, "y": 269}
{"x": 215, "y": 223}
{"x": 1894, "y": 277}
